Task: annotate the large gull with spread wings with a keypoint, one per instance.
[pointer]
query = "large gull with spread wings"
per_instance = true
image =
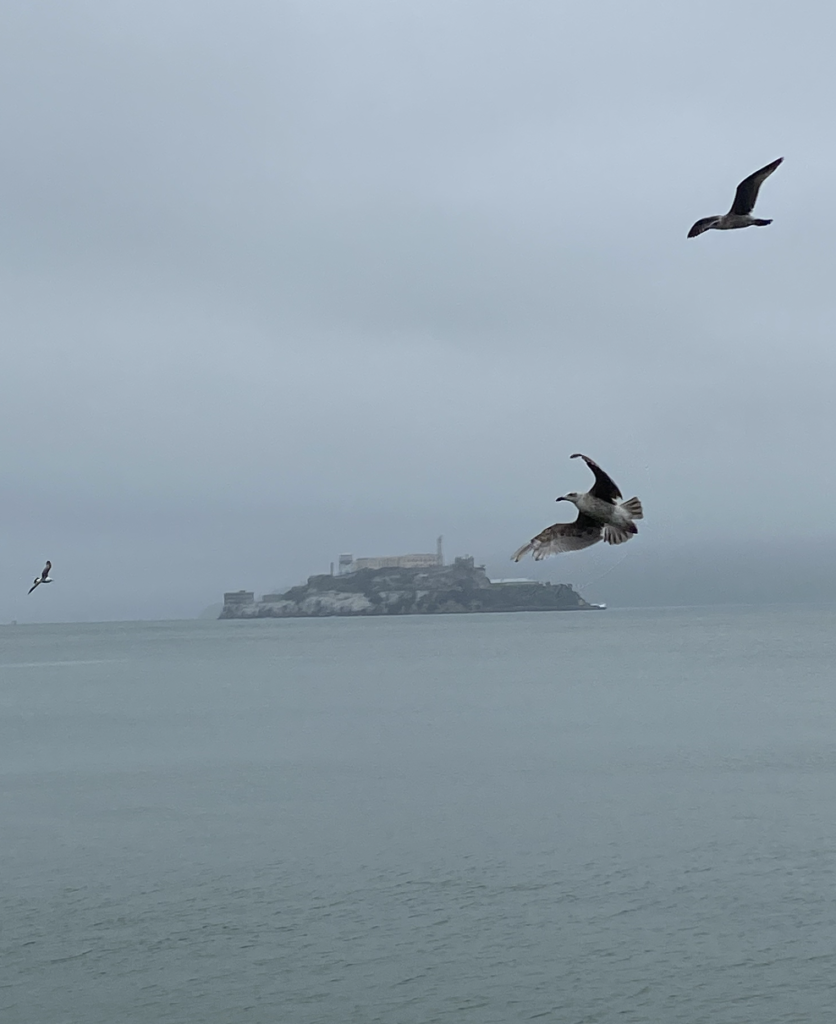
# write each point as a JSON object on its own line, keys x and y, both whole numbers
{"x": 600, "y": 517}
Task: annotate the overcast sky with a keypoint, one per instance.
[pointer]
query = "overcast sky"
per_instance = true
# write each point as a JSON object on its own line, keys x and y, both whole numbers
{"x": 286, "y": 279}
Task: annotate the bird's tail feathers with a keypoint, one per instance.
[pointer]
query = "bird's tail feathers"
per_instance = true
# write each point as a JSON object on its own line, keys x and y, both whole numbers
{"x": 633, "y": 508}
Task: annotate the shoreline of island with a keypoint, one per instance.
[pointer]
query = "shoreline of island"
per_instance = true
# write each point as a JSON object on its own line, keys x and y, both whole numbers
{"x": 459, "y": 588}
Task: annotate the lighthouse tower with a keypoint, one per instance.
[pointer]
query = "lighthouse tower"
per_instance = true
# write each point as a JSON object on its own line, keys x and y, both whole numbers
{"x": 439, "y": 553}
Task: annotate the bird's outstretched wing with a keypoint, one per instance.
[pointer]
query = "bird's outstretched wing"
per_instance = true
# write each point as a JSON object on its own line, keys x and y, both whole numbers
{"x": 562, "y": 537}
{"x": 747, "y": 191}
{"x": 47, "y": 567}
{"x": 35, "y": 584}
{"x": 604, "y": 486}
{"x": 703, "y": 224}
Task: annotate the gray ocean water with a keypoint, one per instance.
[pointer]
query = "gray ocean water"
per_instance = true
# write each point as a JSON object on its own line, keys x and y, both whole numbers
{"x": 573, "y": 817}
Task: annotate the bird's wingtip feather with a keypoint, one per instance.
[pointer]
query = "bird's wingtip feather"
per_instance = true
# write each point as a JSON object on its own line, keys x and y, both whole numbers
{"x": 518, "y": 554}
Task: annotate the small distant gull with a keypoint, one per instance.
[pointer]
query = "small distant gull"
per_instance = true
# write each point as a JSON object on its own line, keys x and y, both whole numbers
{"x": 600, "y": 517}
{"x": 43, "y": 578}
{"x": 740, "y": 214}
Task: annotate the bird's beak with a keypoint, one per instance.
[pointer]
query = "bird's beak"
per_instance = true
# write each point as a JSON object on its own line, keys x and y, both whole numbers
{"x": 560, "y": 499}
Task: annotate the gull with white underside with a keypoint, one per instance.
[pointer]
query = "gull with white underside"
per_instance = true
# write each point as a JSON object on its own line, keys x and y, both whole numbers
{"x": 600, "y": 517}
{"x": 43, "y": 578}
{"x": 740, "y": 214}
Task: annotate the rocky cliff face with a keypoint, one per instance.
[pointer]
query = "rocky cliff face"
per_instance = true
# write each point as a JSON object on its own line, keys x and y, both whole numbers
{"x": 457, "y": 588}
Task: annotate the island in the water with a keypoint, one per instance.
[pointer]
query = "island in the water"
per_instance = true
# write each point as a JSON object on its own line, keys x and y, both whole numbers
{"x": 397, "y": 590}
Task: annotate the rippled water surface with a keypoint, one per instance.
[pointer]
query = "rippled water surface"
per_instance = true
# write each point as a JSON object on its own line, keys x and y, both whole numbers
{"x": 569, "y": 817}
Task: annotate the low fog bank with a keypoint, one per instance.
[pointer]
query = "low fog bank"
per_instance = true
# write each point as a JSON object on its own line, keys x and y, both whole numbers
{"x": 145, "y": 573}
{"x": 759, "y": 573}
{"x": 636, "y": 576}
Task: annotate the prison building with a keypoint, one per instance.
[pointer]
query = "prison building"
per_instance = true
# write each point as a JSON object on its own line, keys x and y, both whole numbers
{"x": 348, "y": 563}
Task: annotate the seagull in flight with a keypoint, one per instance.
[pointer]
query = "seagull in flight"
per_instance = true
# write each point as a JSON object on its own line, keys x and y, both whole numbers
{"x": 43, "y": 578}
{"x": 600, "y": 517}
{"x": 740, "y": 214}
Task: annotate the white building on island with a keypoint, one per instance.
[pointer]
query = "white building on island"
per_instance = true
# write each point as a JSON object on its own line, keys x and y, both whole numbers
{"x": 348, "y": 563}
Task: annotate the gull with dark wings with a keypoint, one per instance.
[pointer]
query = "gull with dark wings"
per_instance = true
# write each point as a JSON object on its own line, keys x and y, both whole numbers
{"x": 740, "y": 214}
{"x": 43, "y": 578}
{"x": 600, "y": 517}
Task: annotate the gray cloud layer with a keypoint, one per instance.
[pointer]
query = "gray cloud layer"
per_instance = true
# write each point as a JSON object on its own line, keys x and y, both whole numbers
{"x": 285, "y": 279}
